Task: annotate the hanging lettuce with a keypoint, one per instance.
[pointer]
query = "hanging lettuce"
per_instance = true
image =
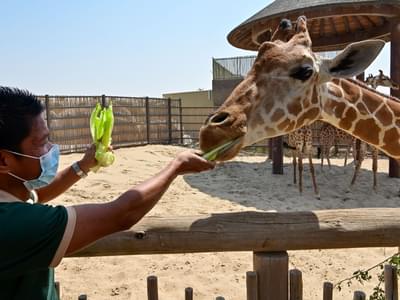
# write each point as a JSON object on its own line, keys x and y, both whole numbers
{"x": 101, "y": 126}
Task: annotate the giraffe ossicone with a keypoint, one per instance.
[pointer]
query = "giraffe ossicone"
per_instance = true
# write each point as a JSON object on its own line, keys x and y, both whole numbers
{"x": 290, "y": 86}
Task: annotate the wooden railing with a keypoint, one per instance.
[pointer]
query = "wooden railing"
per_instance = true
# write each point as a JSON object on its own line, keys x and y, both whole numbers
{"x": 267, "y": 234}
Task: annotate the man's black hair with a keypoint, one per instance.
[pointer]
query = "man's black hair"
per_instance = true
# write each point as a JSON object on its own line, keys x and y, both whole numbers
{"x": 18, "y": 108}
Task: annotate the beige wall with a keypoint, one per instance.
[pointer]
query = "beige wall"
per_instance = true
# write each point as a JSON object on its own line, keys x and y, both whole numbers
{"x": 193, "y": 98}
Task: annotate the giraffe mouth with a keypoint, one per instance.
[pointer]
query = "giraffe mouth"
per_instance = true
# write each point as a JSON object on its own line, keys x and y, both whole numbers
{"x": 229, "y": 151}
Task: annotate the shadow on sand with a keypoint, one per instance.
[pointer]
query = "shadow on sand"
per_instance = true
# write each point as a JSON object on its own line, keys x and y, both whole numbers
{"x": 251, "y": 184}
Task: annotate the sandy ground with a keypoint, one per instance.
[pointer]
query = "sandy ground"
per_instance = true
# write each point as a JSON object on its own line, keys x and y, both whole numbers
{"x": 245, "y": 183}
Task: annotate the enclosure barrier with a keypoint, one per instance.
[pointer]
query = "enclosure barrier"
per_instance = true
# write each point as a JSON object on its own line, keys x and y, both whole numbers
{"x": 268, "y": 234}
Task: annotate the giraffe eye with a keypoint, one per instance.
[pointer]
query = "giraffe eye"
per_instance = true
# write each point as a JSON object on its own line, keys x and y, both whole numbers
{"x": 302, "y": 73}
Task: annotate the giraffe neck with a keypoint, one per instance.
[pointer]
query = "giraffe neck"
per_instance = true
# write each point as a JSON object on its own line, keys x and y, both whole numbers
{"x": 363, "y": 112}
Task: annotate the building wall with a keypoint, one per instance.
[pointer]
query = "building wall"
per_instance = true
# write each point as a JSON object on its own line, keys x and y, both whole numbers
{"x": 222, "y": 89}
{"x": 193, "y": 98}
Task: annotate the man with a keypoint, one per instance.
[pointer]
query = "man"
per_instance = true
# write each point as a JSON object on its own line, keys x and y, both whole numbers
{"x": 35, "y": 237}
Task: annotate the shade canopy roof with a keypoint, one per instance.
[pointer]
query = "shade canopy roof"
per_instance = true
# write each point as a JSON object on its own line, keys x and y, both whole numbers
{"x": 332, "y": 24}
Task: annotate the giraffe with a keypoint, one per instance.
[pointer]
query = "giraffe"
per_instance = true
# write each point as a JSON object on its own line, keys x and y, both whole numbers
{"x": 381, "y": 80}
{"x": 301, "y": 142}
{"x": 330, "y": 136}
{"x": 289, "y": 87}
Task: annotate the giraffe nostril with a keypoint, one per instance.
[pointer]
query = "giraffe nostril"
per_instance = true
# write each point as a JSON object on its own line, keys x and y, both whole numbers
{"x": 219, "y": 118}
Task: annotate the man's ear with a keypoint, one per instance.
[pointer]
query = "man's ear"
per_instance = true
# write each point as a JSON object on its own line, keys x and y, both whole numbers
{"x": 353, "y": 60}
{"x": 4, "y": 168}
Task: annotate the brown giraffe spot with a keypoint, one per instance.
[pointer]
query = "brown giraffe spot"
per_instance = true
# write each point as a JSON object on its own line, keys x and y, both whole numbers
{"x": 371, "y": 101}
{"x": 294, "y": 107}
{"x": 278, "y": 114}
{"x": 335, "y": 91}
{"x": 283, "y": 125}
{"x": 307, "y": 103}
{"x": 394, "y": 106}
{"x": 398, "y": 123}
{"x": 291, "y": 126}
{"x": 384, "y": 115}
{"x": 310, "y": 115}
{"x": 339, "y": 109}
{"x": 351, "y": 91}
{"x": 368, "y": 131}
{"x": 347, "y": 121}
{"x": 362, "y": 109}
{"x": 391, "y": 140}
{"x": 269, "y": 130}
{"x": 257, "y": 120}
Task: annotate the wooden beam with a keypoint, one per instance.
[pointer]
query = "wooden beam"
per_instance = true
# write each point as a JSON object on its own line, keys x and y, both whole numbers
{"x": 346, "y": 23}
{"x": 344, "y": 39}
{"x": 255, "y": 231}
{"x": 321, "y": 27}
{"x": 333, "y": 26}
{"x": 360, "y": 25}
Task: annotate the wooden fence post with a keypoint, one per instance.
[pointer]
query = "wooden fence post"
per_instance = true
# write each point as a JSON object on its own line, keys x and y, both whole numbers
{"x": 251, "y": 285}
{"x": 328, "y": 291}
{"x": 48, "y": 118}
{"x": 152, "y": 288}
{"x": 390, "y": 274}
{"x": 359, "y": 295}
{"x": 169, "y": 121}
{"x": 188, "y": 293}
{"x": 147, "y": 120}
{"x": 103, "y": 101}
{"x": 277, "y": 155}
{"x": 181, "y": 120}
{"x": 272, "y": 275}
{"x": 296, "y": 285}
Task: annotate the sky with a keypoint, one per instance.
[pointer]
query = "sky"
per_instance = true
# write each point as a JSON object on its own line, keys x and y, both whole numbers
{"x": 121, "y": 47}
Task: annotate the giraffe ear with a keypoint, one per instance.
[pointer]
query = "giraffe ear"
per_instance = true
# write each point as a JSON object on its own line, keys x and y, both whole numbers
{"x": 353, "y": 60}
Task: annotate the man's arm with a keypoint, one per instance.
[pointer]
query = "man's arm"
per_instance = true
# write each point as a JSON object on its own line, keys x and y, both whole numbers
{"x": 94, "y": 221}
{"x": 67, "y": 177}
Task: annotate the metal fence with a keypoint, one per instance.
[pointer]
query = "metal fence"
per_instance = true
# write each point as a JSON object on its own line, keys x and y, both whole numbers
{"x": 232, "y": 67}
{"x": 138, "y": 120}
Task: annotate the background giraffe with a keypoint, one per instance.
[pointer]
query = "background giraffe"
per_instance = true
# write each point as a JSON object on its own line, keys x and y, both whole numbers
{"x": 301, "y": 142}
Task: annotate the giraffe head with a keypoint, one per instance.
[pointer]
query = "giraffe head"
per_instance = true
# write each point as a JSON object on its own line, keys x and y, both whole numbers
{"x": 281, "y": 91}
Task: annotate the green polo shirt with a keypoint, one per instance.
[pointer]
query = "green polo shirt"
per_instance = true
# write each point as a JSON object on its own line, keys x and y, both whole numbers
{"x": 33, "y": 240}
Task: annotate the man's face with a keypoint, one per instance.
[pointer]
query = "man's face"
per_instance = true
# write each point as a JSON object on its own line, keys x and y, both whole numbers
{"x": 35, "y": 144}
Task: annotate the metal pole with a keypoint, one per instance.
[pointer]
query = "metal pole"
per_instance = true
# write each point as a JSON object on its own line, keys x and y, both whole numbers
{"x": 147, "y": 120}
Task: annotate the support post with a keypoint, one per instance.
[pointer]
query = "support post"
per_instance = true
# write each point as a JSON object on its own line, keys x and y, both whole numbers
{"x": 181, "y": 120}
{"x": 188, "y": 293}
{"x": 251, "y": 285}
{"x": 296, "y": 285}
{"x": 270, "y": 149}
{"x": 169, "y": 121}
{"x": 272, "y": 275}
{"x": 390, "y": 273}
{"x": 394, "y": 170}
{"x": 328, "y": 291}
{"x": 277, "y": 155}
{"x": 103, "y": 101}
{"x": 152, "y": 288}
{"x": 147, "y": 120}
{"x": 359, "y": 295}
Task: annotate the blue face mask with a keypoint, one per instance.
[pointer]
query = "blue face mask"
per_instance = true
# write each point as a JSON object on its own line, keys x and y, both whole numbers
{"x": 49, "y": 165}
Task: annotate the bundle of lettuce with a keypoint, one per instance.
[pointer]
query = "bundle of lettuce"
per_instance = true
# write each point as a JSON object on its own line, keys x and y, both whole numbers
{"x": 101, "y": 126}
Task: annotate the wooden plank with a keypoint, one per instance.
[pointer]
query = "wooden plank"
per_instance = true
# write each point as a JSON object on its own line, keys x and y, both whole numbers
{"x": 251, "y": 285}
{"x": 328, "y": 291}
{"x": 152, "y": 288}
{"x": 272, "y": 275}
{"x": 296, "y": 285}
{"x": 255, "y": 231}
